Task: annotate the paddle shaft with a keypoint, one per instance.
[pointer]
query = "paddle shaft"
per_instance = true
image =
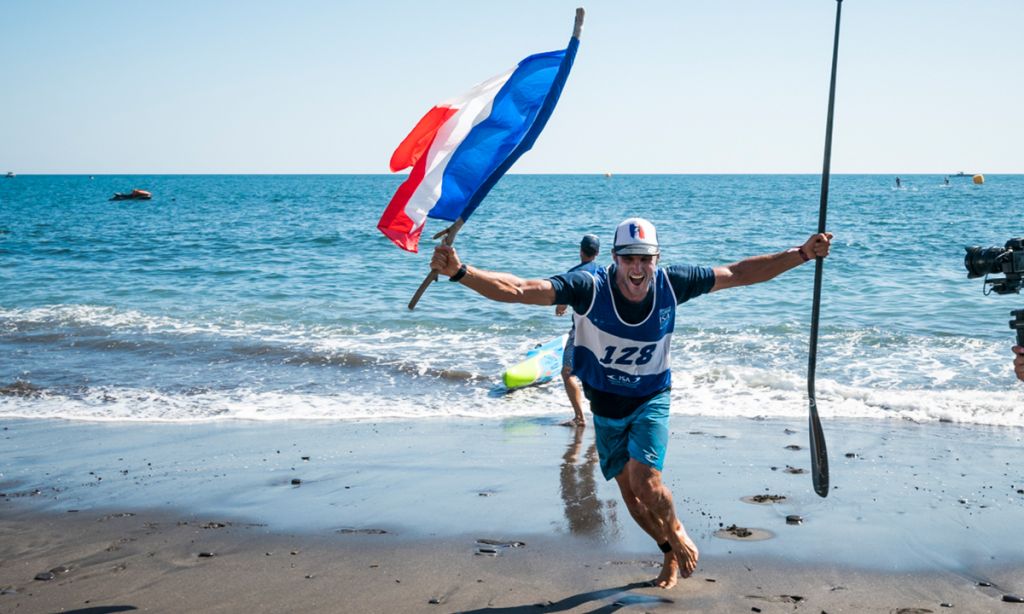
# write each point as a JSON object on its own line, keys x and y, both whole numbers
{"x": 819, "y": 453}
{"x": 449, "y": 238}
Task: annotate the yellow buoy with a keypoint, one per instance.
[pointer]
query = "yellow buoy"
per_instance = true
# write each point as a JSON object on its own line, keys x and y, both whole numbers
{"x": 979, "y": 179}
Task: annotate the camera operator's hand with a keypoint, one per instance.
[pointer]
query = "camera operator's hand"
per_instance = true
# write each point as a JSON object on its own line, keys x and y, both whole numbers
{"x": 1018, "y": 362}
{"x": 817, "y": 246}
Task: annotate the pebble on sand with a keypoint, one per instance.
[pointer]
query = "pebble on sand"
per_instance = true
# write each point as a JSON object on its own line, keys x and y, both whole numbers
{"x": 501, "y": 542}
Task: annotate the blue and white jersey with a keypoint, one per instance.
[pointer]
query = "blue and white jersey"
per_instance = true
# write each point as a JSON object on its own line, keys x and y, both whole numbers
{"x": 630, "y": 360}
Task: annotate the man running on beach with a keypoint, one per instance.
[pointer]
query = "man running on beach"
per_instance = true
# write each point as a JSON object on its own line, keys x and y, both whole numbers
{"x": 624, "y": 318}
{"x": 590, "y": 247}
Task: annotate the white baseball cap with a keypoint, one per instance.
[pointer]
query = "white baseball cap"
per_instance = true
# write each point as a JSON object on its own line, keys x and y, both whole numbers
{"x": 636, "y": 236}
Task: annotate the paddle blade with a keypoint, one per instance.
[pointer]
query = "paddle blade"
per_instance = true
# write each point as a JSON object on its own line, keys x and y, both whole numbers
{"x": 819, "y": 455}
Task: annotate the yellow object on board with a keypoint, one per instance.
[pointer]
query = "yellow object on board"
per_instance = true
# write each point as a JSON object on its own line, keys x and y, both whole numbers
{"x": 541, "y": 365}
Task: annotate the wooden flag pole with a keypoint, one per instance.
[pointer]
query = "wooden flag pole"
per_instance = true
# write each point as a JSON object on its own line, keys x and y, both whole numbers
{"x": 449, "y": 238}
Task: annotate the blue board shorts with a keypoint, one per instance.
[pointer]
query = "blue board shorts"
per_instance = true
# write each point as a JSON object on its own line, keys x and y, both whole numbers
{"x": 570, "y": 346}
{"x": 642, "y": 436}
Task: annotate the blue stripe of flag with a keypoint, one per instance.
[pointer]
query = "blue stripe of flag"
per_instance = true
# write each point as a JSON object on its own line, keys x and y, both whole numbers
{"x": 518, "y": 115}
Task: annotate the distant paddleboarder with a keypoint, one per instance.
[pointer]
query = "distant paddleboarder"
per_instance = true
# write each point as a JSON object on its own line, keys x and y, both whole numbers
{"x": 624, "y": 318}
{"x": 897, "y": 182}
{"x": 590, "y": 246}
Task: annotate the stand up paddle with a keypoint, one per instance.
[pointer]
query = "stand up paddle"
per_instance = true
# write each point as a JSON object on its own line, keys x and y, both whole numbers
{"x": 819, "y": 455}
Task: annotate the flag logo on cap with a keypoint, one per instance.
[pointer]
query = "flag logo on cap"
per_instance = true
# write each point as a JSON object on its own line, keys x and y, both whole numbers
{"x": 636, "y": 236}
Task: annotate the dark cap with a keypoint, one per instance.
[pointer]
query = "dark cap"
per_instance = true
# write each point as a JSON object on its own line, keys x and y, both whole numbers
{"x": 590, "y": 245}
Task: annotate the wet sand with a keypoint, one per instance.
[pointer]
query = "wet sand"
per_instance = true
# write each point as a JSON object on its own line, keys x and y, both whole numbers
{"x": 503, "y": 516}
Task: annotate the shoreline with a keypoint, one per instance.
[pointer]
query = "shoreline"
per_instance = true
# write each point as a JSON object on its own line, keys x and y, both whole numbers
{"x": 154, "y": 561}
{"x": 918, "y": 515}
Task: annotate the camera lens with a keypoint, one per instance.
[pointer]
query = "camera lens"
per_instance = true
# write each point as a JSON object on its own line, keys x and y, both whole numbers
{"x": 980, "y": 261}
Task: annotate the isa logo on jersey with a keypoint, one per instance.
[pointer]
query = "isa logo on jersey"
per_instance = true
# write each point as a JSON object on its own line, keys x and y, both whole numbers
{"x": 664, "y": 315}
{"x": 626, "y": 381}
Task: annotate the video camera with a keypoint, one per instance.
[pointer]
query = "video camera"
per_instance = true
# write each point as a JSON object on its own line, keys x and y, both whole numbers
{"x": 1007, "y": 261}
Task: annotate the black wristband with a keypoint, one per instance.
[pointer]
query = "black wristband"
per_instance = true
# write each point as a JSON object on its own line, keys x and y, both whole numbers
{"x": 460, "y": 274}
{"x": 665, "y": 547}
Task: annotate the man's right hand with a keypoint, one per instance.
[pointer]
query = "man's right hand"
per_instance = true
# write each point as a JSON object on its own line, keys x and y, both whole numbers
{"x": 445, "y": 260}
{"x": 1018, "y": 362}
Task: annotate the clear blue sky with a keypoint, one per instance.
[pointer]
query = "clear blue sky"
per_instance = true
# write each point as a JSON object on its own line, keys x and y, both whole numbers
{"x": 103, "y": 86}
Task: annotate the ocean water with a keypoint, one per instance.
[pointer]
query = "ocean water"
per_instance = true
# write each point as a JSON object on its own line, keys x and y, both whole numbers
{"x": 275, "y": 298}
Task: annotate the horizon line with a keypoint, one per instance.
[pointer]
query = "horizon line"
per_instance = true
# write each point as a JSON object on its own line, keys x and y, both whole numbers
{"x": 553, "y": 174}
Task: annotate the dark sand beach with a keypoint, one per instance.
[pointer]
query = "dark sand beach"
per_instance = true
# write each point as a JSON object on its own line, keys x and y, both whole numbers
{"x": 501, "y": 516}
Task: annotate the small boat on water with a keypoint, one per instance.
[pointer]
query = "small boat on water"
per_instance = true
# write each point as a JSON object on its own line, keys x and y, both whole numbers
{"x": 977, "y": 178}
{"x": 133, "y": 195}
{"x": 10, "y": 175}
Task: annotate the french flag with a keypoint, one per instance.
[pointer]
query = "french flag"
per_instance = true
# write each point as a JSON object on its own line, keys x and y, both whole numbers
{"x": 463, "y": 146}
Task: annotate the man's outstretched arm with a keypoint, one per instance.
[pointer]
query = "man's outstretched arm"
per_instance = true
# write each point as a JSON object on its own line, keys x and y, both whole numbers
{"x": 762, "y": 268}
{"x": 503, "y": 287}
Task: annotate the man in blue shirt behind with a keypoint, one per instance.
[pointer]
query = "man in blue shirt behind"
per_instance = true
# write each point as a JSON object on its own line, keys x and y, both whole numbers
{"x": 624, "y": 317}
{"x": 590, "y": 247}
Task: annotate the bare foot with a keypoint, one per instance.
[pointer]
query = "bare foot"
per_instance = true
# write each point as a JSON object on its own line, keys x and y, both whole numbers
{"x": 669, "y": 572}
{"x": 575, "y": 422}
{"x": 685, "y": 551}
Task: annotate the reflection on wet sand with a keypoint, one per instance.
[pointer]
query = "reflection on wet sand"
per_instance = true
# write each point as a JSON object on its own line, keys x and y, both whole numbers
{"x": 583, "y": 510}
